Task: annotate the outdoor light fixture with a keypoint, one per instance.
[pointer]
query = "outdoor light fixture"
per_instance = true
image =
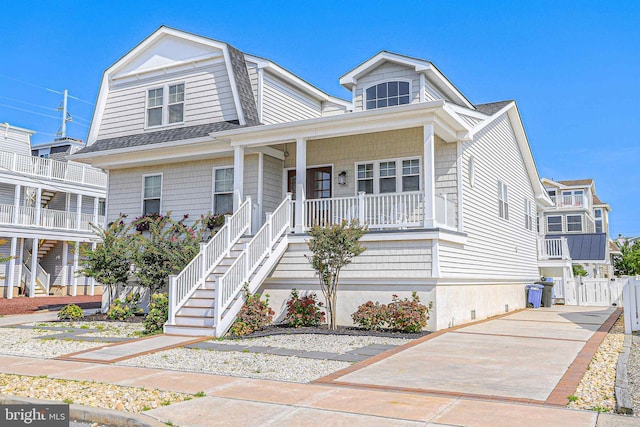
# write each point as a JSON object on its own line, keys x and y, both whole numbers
{"x": 342, "y": 178}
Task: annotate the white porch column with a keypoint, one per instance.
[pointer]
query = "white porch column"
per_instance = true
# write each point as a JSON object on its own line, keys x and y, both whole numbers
{"x": 11, "y": 276}
{"x": 96, "y": 201}
{"x": 16, "y": 203}
{"x": 429, "y": 176}
{"x": 92, "y": 281}
{"x": 238, "y": 176}
{"x": 78, "y": 212}
{"x": 65, "y": 261}
{"x": 76, "y": 262}
{"x": 38, "y": 206}
{"x": 301, "y": 182}
{"x": 33, "y": 267}
{"x": 20, "y": 262}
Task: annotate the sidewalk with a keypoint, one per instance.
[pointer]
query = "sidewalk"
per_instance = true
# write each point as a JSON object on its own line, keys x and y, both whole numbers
{"x": 415, "y": 385}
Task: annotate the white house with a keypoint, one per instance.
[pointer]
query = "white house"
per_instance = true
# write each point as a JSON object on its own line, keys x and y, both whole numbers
{"x": 448, "y": 188}
{"x": 46, "y": 206}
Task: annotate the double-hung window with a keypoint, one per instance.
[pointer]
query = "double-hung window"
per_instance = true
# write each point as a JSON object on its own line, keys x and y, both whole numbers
{"x": 223, "y": 191}
{"x": 554, "y": 224}
{"x": 387, "y": 94}
{"x": 528, "y": 216}
{"x": 574, "y": 223}
{"x": 152, "y": 194}
{"x": 388, "y": 176}
{"x": 503, "y": 200}
{"x": 165, "y": 105}
{"x": 598, "y": 214}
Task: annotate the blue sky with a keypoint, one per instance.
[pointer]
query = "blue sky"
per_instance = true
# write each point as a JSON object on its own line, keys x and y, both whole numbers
{"x": 573, "y": 67}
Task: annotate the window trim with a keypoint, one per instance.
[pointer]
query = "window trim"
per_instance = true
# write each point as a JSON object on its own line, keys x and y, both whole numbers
{"x": 503, "y": 190}
{"x": 547, "y": 224}
{"x": 364, "y": 92}
{"x": 165, "y": 105}
{"x": 213, "y": 185}
{"x": 399, "y": 176}
{"x": 528, "y": 217}
{"x": 581, "y": 224}
{"x": 144, "y": 176}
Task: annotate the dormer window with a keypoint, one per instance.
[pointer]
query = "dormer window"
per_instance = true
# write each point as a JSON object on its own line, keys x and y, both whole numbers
{"x": 165, "y": 105}
{"x": 387, "y": 94}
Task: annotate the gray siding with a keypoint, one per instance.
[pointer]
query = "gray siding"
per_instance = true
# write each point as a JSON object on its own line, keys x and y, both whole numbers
{"x": 472, "y": 121}
{"x": 14, "y": 141}
{"x": 283, "y": 103}
{"x": 431, "y": 93}
{"x": 390, "y": 260}
{"x": 58, "y": 202}
{"x": 387, "y": 71}
{"x": 272, "y": 183}
{"x": 496, "y": 248}
{"x": 7, "y": 194}
{"x": 186, "y": 187}
{"x": 52, "y": 262}
{"x": 446, "y": 170}
{"x": 331, "y": 109}
{"x": 588, "y": 224}
{"x": 208, "y": 99}
{"x": 252, "y": 69}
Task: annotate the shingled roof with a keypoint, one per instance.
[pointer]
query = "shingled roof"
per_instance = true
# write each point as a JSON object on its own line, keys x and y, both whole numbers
{"x": 243, "y": 83}
{"x": 157, "y": 137}
{"x": 574, "y": 182}
{"x": 491, "y": 107}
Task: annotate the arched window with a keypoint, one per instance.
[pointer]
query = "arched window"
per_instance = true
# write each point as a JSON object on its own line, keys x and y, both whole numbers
{"x": 387, "y": 94}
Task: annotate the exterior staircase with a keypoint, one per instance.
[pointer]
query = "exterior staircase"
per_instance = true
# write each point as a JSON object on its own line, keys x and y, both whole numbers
{"x": 42, "y": 278}
{"x": 205, "y": 298}
{"x": 44, "y": 247}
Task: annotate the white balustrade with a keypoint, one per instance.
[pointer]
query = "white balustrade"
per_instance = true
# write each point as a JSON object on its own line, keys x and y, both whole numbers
{"x": 554, "y": 248}
{"x": 49, "y": 218}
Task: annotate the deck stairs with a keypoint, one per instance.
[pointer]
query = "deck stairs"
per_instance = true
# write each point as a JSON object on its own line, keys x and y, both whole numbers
{"x": 42, "y": 278}
{"x": 45, "y": 246}
{"x": 205, "y": 298}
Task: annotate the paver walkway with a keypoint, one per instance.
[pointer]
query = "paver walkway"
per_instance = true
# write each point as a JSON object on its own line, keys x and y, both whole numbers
{"x": 519, "y": 357}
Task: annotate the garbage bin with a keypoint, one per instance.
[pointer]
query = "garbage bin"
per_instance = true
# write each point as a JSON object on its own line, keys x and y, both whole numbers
{"x": 547, "y": 292}
{"x": 534, "y": 295}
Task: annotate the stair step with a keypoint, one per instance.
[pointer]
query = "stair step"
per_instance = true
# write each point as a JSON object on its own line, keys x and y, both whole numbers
{"x": 191, "y": 311}
{"x": 194, "y": 320}
{"x": 192, "y": 331}
{"x": 204, "y": 293}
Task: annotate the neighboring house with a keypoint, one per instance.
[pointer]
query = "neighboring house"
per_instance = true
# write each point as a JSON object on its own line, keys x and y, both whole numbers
{"x": 46, "y": 206}
{"x": 449, "y": 189}
{"x": 575, "y": 230}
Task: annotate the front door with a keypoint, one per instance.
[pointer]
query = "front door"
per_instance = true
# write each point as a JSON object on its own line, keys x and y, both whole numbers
{"x": 318, "y": 182}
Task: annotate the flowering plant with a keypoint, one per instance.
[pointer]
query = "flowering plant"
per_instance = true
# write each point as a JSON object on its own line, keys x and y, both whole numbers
{"x": 304, "y": 311}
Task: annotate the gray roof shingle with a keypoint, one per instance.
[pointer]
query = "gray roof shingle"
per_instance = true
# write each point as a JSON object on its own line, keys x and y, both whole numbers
{"x": 243, "y": 83}
{"x": 491, "y": 107}
{"x": 157, "y": 137}
{"x": 586, "y": 247}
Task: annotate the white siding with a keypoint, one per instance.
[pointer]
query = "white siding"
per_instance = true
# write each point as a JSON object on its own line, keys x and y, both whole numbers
{"x": 385, "y": 72}
{"x": 208, "y": 99}
{"x": 252, "y": 69}
{"x": 446, "y": 175}
{"x": 15, "y": 141}
{"x": 431, "y": 93}
{"x": 283, "y": 103}
{"x": 272, "y": 183}
{"x": 472, "y": 121}
{"x": 7, "y": 194}
{"x": 186, "y": 187}
{"x": 331, "y": 109}
{"x": 383, "y": 260}
{"x": 496, "y": 248}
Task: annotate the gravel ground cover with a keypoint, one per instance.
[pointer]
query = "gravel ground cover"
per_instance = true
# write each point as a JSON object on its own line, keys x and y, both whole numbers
{"x": 313, "y": 342}
{"x": 89, "y": 393}
{"x": 105, "y": 329}
{"x": 596, "y": 389}
{"x": 24, "y": 342}
{"x": 251, "y": 365}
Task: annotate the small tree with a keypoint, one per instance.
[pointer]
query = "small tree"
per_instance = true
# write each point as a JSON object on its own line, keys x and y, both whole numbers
{"x": 109, "y": 262}
{"x": 333, "y": 248}
{"x": 579, "y": 271}
{"x": 628, "y": 262}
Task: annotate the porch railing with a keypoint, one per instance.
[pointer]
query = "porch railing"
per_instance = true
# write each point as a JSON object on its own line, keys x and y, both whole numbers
{"x": 378, "y": 211}
{"x": 52, "y": 169}
{"x": 230, "y": 284}
{"x": 49, "y": 218}
{"x": 183, "y": 285}
{"x": 571, "y": 201}
{"x": 555, "y": 248}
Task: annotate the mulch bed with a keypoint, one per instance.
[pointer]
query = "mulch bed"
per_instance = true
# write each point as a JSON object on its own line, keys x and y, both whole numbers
{"x": 283, "y": 329}
{"x": 25, "y": 305}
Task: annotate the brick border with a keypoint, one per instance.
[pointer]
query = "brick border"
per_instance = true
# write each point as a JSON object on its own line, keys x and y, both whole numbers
{"x": 331, "y": 378}
{"x": 572, "y": 377}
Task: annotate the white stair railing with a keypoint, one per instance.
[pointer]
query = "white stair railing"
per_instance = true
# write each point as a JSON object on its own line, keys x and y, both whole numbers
{"x": 183, "y": 285}
{"x": 42, "y": 277}
{"x": 230, "y": 284}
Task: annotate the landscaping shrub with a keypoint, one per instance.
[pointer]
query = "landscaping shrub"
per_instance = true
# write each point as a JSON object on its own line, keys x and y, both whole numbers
{"x": 408, "y": 315}
{"x": 371, "y": 315}
{"x": 124, "y": 309}
{"x": 70, "y": 312}
{"x": 254, "y": 315}
{"x": 158, "y": 314}
{"x": 304, "y": 311}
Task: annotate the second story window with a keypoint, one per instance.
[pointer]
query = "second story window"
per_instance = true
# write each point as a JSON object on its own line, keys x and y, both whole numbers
{"x": 574, "y": 223}
{"x": 387, "y": 94}
{"x": 152, "y": 194}
{"x": 554, "y": 224}
{"x": 223, "y": 191}
{"x": 528, "y": 217}
{"x": 598, "y": 214}
{"x": 165, "y": 105}
{"x": 503, "y": 200}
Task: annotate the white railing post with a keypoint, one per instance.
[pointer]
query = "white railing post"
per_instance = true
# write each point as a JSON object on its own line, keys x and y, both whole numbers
{"x": 249, "y": 214}
{"x": 361, "y": 207}
{"x": 172, "y": 300}
{"x": 289, "y": 197}
{"x": 270, "y": 232}
{"x": 300, "y": 205}
{"x": 203, "y": 261}
{"x": 227, "y": 221}
{"x": 246, "y": 263}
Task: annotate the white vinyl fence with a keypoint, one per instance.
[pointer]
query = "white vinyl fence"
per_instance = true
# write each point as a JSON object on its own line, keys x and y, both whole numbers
{"x": 589, "y": 292}
{"x": 631, "y": 304}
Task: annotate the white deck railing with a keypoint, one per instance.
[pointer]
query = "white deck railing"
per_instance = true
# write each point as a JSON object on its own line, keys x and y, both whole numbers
{"x": 570, "y": 201}
{"x": 554, "y": 248}
{"x": 230, "y": 284}
{"x": 49, "y": 218}
{"x": 52, "y": 169}
{"x": 377, "y": 211}
{"x": 183, "y": 285}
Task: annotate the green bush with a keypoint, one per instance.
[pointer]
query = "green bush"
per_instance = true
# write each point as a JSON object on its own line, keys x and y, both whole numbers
{"x": 408, "y": 315}
{"x": 124, "y": 309}
{"x": 304, "y": 311}
{"x": 158, "y": 314}
{"x": 70, "y": 312}
{"x": 371, "y": 315}
{"x": 254, "y": 315}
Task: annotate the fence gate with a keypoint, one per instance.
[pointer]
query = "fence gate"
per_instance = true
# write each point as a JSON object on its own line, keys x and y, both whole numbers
{"x": 590, "y": 292}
